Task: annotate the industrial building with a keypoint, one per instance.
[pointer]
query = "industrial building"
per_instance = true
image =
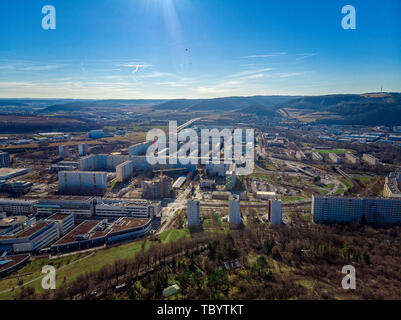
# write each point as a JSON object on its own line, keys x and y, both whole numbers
{"x": 4, "y": 159}
{"x": 17, "y": 207}
{"x": 234, "y": 212}
{"x": 392, "y": 185}
{"x": 80, "y": 207}
{"x": 12, "y": 224}
{"x": 83, "y": 149}
{"x": 275, "y": 212}
{"x": 82, "y": 182}
{"x": 9, "y": 173}
{"x": 127, "y": 208}
{"x": 33, "y": 238}
{"x": 265, "y": 195}
{"x": 91, "y": 233}
{"x": 96, "y": 134}
{"x": 16, "y": 187}
{"x": 371, "y": 159}
{"x": 193, "y": 213}
{"x": 375, "y": 211}
{"x": 10, "y": 264}
{"x": 64, "y": 152}
{"x": 124, "y": 171}
{"x": 352, "y": 159}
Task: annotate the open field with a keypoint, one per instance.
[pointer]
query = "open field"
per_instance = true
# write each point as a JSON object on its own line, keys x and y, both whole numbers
{"x": 336, "y": 151}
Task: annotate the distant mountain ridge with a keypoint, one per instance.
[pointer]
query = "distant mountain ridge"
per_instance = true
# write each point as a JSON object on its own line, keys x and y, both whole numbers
{"x": 356, "y": 109}
{"x": 223, "y": 104}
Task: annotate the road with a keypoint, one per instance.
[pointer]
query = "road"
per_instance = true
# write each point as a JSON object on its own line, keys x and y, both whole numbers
{"x": 169, "y": 212}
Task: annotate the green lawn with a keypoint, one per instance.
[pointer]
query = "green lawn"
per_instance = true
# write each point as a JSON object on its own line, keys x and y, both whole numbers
{"x": 348, "y": 183}
{"x": 321, "y": 191}
{"x": 339, "y": 192}
{"x": 292, "y": 198}
{"x": 336, "y": 151}
{"x": 174, "y": 235}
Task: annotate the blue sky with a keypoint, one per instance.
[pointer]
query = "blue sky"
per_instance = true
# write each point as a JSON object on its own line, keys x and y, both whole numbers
{"x": 197, "y": 48}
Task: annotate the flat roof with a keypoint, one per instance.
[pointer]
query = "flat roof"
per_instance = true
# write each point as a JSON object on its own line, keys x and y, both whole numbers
{"x": 58, "y": 216}
{"x": 124, "y": 202}
{"x": 28, "y": 231}
{"x": 123, "y": 224}
{"x": 87, "y": 228}
{"x": 11, "y": 170}
{"x": 82, "y": 228}
{"x": 12, "y": 261}
{"x": 66, "y": 197}
{"x": 10, "y": 221}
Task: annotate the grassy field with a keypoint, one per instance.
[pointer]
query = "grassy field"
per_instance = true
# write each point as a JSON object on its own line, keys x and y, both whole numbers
{"x": 321, "y": 191}
{"x": 174, "y": 235}
{"x": 348, "y": 183}
{"x": 292, "y": 198}
{"x": 70, "y": 267}
{"x": 336, "y": 151}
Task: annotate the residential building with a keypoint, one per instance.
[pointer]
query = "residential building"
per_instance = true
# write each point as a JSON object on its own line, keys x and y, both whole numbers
{"x": 234, "y": 212}
{"x": 334, "y": 158}
{"x": 375, "y": 211}
{"x": 82, "y": 182}
{"x": 83, "y": 149}
{"x": 275, "y": 212}
{"x": 352, "y": 159}
{"x": 4, "y": 159}
{"x": 392, "y": 185}
{"x": 371, "y": 159}
{"x": 64, "y": 152}
{"x": 193, "y": 211}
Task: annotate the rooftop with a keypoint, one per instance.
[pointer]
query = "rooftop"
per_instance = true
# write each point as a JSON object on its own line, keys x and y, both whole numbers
{"x": 10, "y": 261}
{"x": 123, "y": 224}
{"x": 58, "y": 216}
{"x": 27, "y": 232}
{"x": 82, "y": 229}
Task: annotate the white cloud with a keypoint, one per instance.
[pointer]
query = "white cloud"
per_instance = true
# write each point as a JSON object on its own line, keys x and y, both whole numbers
{"x": 302, "y": 56}
{"x": 278, "y": 54}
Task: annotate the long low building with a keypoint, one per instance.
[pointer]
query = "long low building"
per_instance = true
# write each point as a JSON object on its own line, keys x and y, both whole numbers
{"x": 86, "y": 207}
{"x": 9, "y": 264}
{"x": 9, "y": 173}
{"x": 31, "y": 239}
{"x": 17, "y": 207}
{"x": 80, "y": 207}
{"x": 91, "y": 234}
{"x": 127, "y": 208}
{"x": 375, "y": 211}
